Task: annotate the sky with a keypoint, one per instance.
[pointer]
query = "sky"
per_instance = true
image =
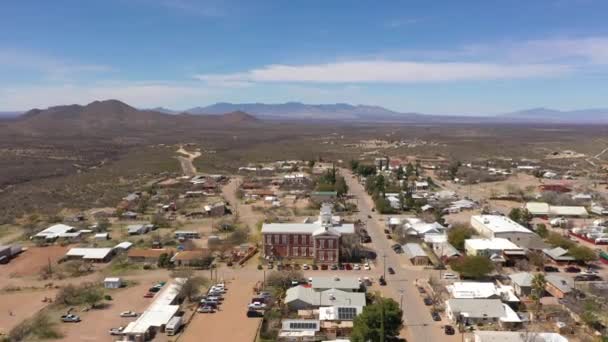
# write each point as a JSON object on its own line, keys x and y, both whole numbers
{"x": 475, "y": 57}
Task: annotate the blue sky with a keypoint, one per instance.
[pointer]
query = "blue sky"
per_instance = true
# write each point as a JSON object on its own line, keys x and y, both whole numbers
{"x": 442, "y": 57}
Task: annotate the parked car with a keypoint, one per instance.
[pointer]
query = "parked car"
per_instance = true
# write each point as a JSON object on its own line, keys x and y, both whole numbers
{"x": 391, "y": 270}
{"x": 206, "y": 309}
{"x": 315, "y": 267}
{"x": 348, "y": 267}
{"x": 587, "y": 277}
{"x": 324, "y": 267}
{"x": 215, "y": 298}
{"x": 449, "y": 330}
{"x": 154, "y": 289}
{"x": 128, "y": 314}
{"x": 366, "y": 267}
{"x": 369, "y": 216}
{"x": 386, "y": 231}
{"x": 117, "y": 331}
{"x": 209, "y": 303}
{"x": 70, "y": 318}
{"x": 551, "y": 269}
{"x": 149, "y": 295}
{"x": 334, "y": 267}
{"x": 253, "y": 313}
{"x": 305, "y": 267}
{"x": 572, "y": 269}
{"x": 436, "y": 316}
{"x": 428, "y": 301}
{"x": 356, "y": 267}
{"x": 382, "y": 281}
{"x": 264, "y": 294}
{"x": 366, "y": 239}
{"x": 257, "y": 306}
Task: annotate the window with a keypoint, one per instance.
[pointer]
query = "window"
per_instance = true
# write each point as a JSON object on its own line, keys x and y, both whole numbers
{"x": 295, "y": 251}
{"x": 296, "y": 239}
{"x": 284, "y": 239}
{"x": 310, "y": 251}
{"x": 268, "y": 239}
{"x": 321, "y": 243}
{"x": 303, "y": 251}
{"x": 276, "y": 239}
{"x": 304, "y": 239}
{"x": 330, "y": 243}
{"x": 322, "y": 256}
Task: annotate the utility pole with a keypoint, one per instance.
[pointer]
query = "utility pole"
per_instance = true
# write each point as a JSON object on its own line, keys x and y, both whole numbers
{"x": 401, "y": 299}
{"x": 384, "y": 262}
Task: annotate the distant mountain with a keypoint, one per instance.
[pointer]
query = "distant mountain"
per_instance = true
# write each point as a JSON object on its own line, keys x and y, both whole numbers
{"x": 9, "y": 114}
{"x": 164, "y": 110}
{"x": 581, "y": 116}
{"x": 113, "y": 118}
{"x": 297, "y": 110}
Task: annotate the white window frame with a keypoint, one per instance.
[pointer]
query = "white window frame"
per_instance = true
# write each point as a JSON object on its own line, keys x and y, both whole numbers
{"x": 295, "y": 251}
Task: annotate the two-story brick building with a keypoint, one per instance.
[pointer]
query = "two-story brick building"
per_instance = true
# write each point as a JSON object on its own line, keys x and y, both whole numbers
{"x": 319, "y": 240}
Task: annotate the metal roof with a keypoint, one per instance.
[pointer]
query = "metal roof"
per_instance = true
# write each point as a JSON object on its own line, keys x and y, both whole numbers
{"x": 90, "y": 253}
{"x": 414, "y": 250}
{"x": 350, "y": 283}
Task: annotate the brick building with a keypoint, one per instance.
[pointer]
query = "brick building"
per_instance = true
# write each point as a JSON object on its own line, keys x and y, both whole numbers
{"x": 319, "y": 240}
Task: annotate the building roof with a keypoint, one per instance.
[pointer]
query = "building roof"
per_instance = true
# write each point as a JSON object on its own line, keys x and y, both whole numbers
{"x": 159, "y": 312}
{"x": 331, "y": 297}
{"x": 472, "y": 290}
{"x": 413, "y": 250}
{"x": 537, "y": 208}
{"x": 303, "y": 228}
{"x": 423, "y": 228}
{"x": 89, "y": 253}
{"x": 568, "y": 210}
{"x": 565, "y": 285}
{"x": 523, "y": 279}
{"x": 340, "y": 283}
{"x": 517, "y": 336}
{"x": 190, "y": 255}
{"x": 492, "y": 244}
{"x": 112, "y": 280}
{"x": 339, "y": 313}
{"x": 499, "y": 224}
{"x": 483, "y": 308}
{"x": 55, "y": 231}
{"x": 300, "y": 325}
{"x": 124, "y": 245}
{"x": 558, "y": 254}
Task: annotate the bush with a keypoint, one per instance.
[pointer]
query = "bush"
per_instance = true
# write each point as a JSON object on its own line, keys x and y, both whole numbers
{"x": 475, "y": 267}
{"x": 458, "y": 234}
{"x": 38, "y": 327}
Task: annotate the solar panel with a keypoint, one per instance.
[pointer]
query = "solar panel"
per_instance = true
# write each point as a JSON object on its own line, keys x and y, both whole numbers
{"x": 347, "y": 313}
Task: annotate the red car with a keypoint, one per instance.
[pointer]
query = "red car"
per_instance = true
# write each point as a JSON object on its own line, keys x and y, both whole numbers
{"x": 324, "y": 267}
{"x": 348, "y": 267}
{"x": 149, "y": 295}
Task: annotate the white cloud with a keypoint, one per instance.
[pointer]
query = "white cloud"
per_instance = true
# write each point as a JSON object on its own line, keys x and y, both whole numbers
{"x": 384, "y": 71}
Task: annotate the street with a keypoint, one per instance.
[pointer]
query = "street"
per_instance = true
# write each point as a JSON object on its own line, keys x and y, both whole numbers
{"x": 418, "y": 324}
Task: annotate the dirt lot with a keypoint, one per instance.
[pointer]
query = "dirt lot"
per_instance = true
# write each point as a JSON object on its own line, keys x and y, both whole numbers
{"x": 18, "y": 306}
{"x": 96, "y": 323}
{"x": 220, "y": 326}
{"x": 31, "y": 261}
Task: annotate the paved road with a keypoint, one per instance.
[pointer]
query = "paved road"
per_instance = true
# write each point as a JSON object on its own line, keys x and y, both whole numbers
{"x": 419, "y": 327}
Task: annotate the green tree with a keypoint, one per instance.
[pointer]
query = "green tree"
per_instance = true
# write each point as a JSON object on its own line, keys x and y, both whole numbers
{"x": 340, "y": 186}
{"x": 538, "y": 288}
{"x": 282, "y": 280}
{"x": 399, "y": 173}
{"x": 557, "y": 240}
{"x": 453, "y": 169}
{"x": 366, "y": 170}
{"x": 582, "y": 253}
{"x": 473, "y": 267}
{"x": 164, "y": 260}
{"x": 521, "y": 216}
{"x": 379, "y": 321}
{"x": 92, "y": 297}
{"x": 458, "y": 234}
{"x": 354, "y": 165}
{"x": 193, "y": 287}
{"x": 541, "y": 230}
{"x": 409, "y": 170}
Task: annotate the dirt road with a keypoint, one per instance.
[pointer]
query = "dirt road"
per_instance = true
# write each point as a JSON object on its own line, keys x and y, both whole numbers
{"x": 245, "y": 212}
{"x": 185, "y": 159}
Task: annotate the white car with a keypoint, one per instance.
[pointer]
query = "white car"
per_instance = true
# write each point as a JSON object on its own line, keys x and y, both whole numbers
{"x": 449, "y": 276}
{"x": 305, "y": 267}
{"x": 257, "y": 306}
{"x": 356, "y": 267}
{"x": 128, "y": 314}
{"x": 366, "y": 267}
{"x": 116, "y": 331}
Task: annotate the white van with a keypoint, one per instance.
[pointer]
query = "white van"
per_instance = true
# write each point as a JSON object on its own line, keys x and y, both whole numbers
{"x": 173, "y": 326}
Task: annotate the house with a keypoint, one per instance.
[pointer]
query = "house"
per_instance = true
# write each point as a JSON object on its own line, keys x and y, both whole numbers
{"x": 147, "y": 255}
{"x": 139, "y": 229}
{"x": 348, "y": 284}
{"x": 9, "y": 252}
{"x": 480, "y": 311}
{"x": 112, "y": 283}
{"x": 323, "y": 196}
{"x": 421, "y": 186}
{"x": 102, "y": 236}
{"x": 558, "y": 255}
{"x": 164, "y": 307}
{"x": 482, "y": 290}
{"x": 193, "y": 258}
{"x": 415, "y": 254}
{"x": 382, "y": 163}
{"x": 599, "y": 210}
{"x": 216, "y": 209}
{"x": 522, "y": 283}
{"x": 517, "y": 336}
{"x": 445, "y": 251}
{"x": 54, "y": 232}
{"x": 497, "y": 249}
{"x": 558, "y": 286}
{"x": 129, "y": 215}
{"x": 303, "y": 298}
{"x": 123, "y": 246}
{"x": 496, "y": 226}
{"x": 297, "y": 330}
{"x": 544, "y": 209}
{"x": 318, "y": 241}
{"x": 417, "y": 228}
{"x": 394, "y": 202}
{"x": 90, "y": 254}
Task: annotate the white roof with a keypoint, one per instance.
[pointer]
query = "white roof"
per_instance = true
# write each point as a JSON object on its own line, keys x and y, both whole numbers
{"x": 472, "y": 290}
{"x": 111, "y": 280}
{"x": 332, "y": 313}
{"x": 537, "y": 208}
{"x": 101, "y": 235}
{"x": 414, "y": 250}
{"x": 517, "y": 336}
{"x": 55, "y": 230}
{"x": 159, "y": 312}
{"x": 423, "y": 228}
{"x": 492, "y": 244}
{"x": 124, "y": 245}
{"x": 90, "y": 253}
{"x": 350, "y": 283}
{"x": 499, "y": 224}
{"x": 303, "y": 228}
{"x": 568, "y": 211}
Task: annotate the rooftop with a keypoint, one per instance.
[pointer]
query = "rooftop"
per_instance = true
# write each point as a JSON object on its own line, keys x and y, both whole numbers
{"x": 331, "y": 297}
{"x": 499, "y": 224}
{"x": 518, "y": 336}
{"x": 350, "y": 283}
{"x": 492, "y": 244}
{"x": 522, "y": 278}
{"x": 565, "y": 285}
{"x": 90, "y": 253}
{"x": 414, "y": 250}
{"x": 472, "y": 290}
{"x": 54, "y": 231}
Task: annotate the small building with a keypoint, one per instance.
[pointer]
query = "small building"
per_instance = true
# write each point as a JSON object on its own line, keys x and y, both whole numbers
{"x": 558, "y": 286}
{"x": 558, "y": 255}
{"x": 102, "y": 236}
{"x": 123, "y": 246}
{"x": 415, "y": 254}
{"x": 216, "y": 209}
{"x": 545, "y": 210}
{"x": 147, "y": 255}
{"x": 186, "y": 234}
{"x": 297, "y": 330}
{"x": 517, "y": 336}
{"x": 139, "y": 229}
{"x": 192, "y": 258}
{"x": 481, "y": 311}
{"x": 323, "y": 196}
{"x": 496, "y": 226}
{"x": 348, "y": 284}
{"x": 421, "y": 186}
{"x": 305, "y": 298}
{"x": 129, "y": 215}
{"x": 54, "y": 232}
{"x": 522, "y": 283}
{"x": 90, "y": 254}
{"x": 112, "y": 283}
{"x": 496, "y": 249}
